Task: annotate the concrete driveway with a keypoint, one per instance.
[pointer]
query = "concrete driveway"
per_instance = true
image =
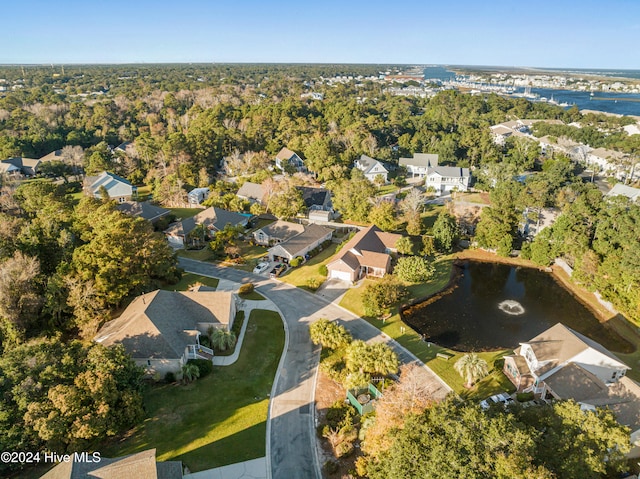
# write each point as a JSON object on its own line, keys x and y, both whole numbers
{"x": 290, "y": 428}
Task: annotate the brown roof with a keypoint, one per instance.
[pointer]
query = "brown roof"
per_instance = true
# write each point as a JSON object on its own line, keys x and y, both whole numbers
{"x": 285, "y": 154}
{"x": 251, "y": 191}
{"x": 142, "y": 465}
{"x": 162, "y": 324}
{"x": 371, "y": 240}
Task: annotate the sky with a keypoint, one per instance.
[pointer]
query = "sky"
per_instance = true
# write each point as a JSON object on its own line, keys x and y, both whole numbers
{"x": 557, "y": 34}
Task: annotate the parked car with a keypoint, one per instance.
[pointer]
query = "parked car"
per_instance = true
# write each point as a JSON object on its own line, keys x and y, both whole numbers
{"x": 278, "y": 270}
{"x": 500, "y": 398}
{"x": 261, "y": 268}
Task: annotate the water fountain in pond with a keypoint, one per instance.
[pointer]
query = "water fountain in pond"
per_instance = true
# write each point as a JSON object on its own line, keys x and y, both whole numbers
{"x": 511, "y": 307}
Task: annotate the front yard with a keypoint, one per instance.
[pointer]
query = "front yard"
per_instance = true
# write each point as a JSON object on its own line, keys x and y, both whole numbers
{"x": 425, "y": 351}
{"x": 307, "y": 274}
{"x": 217, "y": 420}
{"x": 190, "y": 279}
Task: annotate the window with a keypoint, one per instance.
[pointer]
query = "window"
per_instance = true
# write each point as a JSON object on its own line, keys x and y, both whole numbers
{"x": 148, "y": 362}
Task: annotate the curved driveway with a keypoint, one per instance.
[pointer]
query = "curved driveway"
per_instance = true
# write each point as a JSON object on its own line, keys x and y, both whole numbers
{"x": 290, "y": 429}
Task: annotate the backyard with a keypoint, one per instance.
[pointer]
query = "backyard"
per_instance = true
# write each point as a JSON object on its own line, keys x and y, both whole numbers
{"x": 216, "y": 420}
{"x": 426, "y": 351}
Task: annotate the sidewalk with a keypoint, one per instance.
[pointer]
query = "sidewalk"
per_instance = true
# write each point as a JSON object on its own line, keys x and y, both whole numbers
{"x": 253, "y": 469}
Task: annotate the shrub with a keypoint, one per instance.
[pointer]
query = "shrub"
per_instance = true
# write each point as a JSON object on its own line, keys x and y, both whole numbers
{"x": 313, "y": 284}
{"x": 524, "y": 397}
{"x": 329, "y": 334}
{"x": 204, "y": 341}
{"x": 204, "y": 366}
{"x": 295, "y": 262}
{"x": 414, "y": 269}
{"x": 246, "y": 288}
{"x": 170, "y": 377}
{"x": 322, "y": 269}
{"x": 344, "y": 449}
{"x": 339, "y": 415}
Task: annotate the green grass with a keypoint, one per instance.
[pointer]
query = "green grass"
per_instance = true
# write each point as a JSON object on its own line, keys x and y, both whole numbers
{"x": 253, "y": 296}
{"x": 250, "y": 254}
{"x": 386, "y": 189}
{"x": 407, "y": 337}
{"x": 237, "y": 327}
{"x": 472, "y": 198}
{"x": 182, "y": 213}
{"x": 189, "y": 279}
{"x": 144, "y": 193}
{"x": 430, "y": 214}
{"x": 301, "y": 275}
{"x": 204, "y": 254}
{"x": 217, "y": 420}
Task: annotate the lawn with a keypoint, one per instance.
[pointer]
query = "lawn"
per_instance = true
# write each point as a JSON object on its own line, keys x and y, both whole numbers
{"x": 189, "y": 279}
{"x": 144, "y": 193}
{"x": 217, "y": 420}
{"x": 430, "y": 214}
{"x": 250, "y": 254}
{"x": 182, "y": 213}
{"x": 386, "y": 189}
{"x": 252, "y": 296}
{"x": 480, "y": 198}
{"x": 204, "y": 254}
{"x": 302, "y": 275}
{"x": 407, "y": 337}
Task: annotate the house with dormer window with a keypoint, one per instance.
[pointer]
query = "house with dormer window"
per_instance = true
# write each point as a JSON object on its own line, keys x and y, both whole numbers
{"x": 371, "y": 168}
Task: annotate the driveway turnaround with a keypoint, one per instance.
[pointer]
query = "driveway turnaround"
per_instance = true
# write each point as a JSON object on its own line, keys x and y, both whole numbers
{"x": 290, "y": 428}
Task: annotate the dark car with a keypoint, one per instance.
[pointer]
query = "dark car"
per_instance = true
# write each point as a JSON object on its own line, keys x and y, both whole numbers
{"x": 278, "y": 270}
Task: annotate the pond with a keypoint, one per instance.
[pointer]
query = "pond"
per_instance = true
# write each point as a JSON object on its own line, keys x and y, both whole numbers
{"x": 495, "y": 306}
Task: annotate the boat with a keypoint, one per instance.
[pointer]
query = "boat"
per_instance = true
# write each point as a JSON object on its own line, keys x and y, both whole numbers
{"x": 563, "y": 104}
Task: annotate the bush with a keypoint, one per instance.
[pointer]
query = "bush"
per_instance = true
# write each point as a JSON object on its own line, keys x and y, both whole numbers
{"x": 340, "y": 414}
{"x": 204, "y": 366}
{"x": 322, "y": 269}
{"x": 344, "y": 449}
{"x": 414, "y": 269}
{"x": 204, "y": 341}
{"x": 246, "y": 288}
{"x": 524, "y": 397}
{"x": 295, "y": 262}
{"x": 313, "y": 284}
{"x": 170, "y": 377}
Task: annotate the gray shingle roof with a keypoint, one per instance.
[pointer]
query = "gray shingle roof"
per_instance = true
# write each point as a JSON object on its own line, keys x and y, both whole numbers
{"x": 213, "y": 218}
{"x": 310, "y": 235}
{"x": 142, "y": 209}
{"x": 251, "y": 191}
{"x": 420, "y": 159}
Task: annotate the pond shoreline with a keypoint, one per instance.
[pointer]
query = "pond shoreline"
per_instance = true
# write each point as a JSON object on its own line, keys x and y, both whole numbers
{"x": 615, "y": 323}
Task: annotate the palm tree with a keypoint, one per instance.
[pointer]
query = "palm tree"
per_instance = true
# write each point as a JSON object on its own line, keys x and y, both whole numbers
{"x": 190, "y": 372}
{"x": 222, "y": 340}
{"x": 471, "y": 368}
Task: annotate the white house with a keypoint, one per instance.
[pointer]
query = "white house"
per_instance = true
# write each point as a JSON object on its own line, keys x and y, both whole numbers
{"x": 197, "y": 196}
{"x": 608, "y": 161}
{"x": 418, "y": 165}
{"x": 623, "y": 190}
{"x": 371, "y": 168}
{"x": 444, "y": 179}
{"x": 117, "y": 188}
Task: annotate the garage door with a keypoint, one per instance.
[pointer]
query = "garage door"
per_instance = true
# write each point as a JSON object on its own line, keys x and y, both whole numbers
{"x": 343, "y": 275}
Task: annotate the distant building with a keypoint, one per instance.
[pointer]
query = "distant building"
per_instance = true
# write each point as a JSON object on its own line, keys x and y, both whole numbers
{"x": 197, "y": 196}
{"x": 623, "y": 190}
{"x": 117, "y": 188}
{"x": 287, "y": 159}
{"x": 143, "y": 209}
{"x": 371, "y": 168}
{"x": 27, "y": 166}
{"x": 418, "y": 165}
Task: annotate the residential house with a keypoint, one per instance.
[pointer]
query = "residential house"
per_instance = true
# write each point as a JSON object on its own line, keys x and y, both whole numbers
{"x": 143, "y": 209}
{"x": 371, "y": 168}
{"x": 252, "y": 192}
{"x": 607, "y": 161}
{"x": 197, "y": 196}
{"x": 53, "y": 156}
{"x": 126, "y": 148}
{"x": 444, "y": 179}
{"x": 141, "y": 465}
{"x": 161, "y": 330}
{"x": 277, "y": 232}
{"x": 289, "y": 160}
{"x": 311, "y": 237}
{"x": 316, "y": 198}
{"x": 502, "y": 131}
{"x": 419, "y": 164}
{"x": 27, "y": 166}
{"x": 9, "y": 169}
{"x": 561, "y": 363}
{"x": 117, "y": 188}
{"x": 366, "y": 254}
{"x": 320, "y": 216}
{"x": 212, "y": 219}
{"x": 621, "y": 189}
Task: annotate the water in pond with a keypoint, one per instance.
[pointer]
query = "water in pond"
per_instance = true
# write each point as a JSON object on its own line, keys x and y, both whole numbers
{"x": 495, "y": 306}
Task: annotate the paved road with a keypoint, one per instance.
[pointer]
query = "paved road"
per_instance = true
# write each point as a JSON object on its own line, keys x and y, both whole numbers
{"x": 291, "y": 440}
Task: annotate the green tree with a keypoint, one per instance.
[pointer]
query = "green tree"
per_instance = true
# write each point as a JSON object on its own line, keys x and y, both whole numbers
{"x": 286, "y": 201}
{"x": 383, "y": 215}
{"x": 404, "y": 245}
{"x": 472, "y": 368}
{"x": 190, "y": 372}
{"x": 445, "y": 232}
{"x": 222, "y": 339}
{"x": 380, "y": 295}
{"x": 375, "y": 358}
{"x": 329, "y": 334}
{"x": 414, "y": 269}
{"x": 499, "y": 223}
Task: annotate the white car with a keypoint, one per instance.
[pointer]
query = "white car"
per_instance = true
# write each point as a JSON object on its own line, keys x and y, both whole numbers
{"x": 261, "y": 268}
{"x": 501, "y": 398}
